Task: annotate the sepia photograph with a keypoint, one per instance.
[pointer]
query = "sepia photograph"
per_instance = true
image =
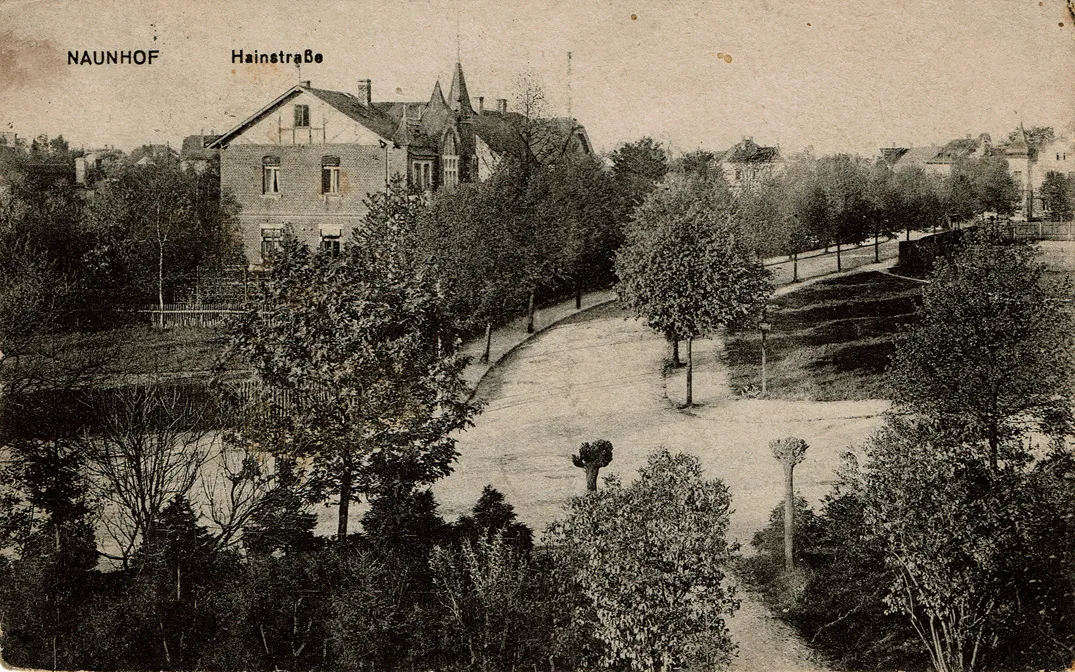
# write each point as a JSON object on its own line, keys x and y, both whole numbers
{"x": 482, "y": 336}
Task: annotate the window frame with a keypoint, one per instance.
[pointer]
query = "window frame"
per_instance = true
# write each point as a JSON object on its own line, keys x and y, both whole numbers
{"x": 272, "y": 240}
{"x": 302, "y": 115}
{"x": 270, "y": 175}
{"x": 330, "y": 175}
{"x": 450, "y": 167}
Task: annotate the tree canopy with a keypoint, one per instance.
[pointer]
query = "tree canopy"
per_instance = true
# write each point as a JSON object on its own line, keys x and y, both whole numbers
{"x": 992, "y": 349}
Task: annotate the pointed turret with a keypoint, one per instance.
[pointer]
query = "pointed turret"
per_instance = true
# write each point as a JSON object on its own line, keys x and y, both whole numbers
{"x": 458, "y": 98}
{"x": 438, "y": 95}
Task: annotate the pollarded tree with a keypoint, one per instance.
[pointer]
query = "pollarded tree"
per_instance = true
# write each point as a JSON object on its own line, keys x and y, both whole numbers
{"x": 684, "y": 266}
{"x": 359, "y": 360}
{"x": 992, "y": 348}
{"x": 593, "y": 457}
{"x": 789, "y": 452}
{"x": 648, "y": 559}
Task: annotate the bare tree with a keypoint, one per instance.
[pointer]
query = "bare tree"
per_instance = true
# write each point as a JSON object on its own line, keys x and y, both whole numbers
{"x": 150, "y": 450}
{"x": 235, "y": 485}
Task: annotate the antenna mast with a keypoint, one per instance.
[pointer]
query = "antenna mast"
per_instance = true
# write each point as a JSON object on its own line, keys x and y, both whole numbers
{"x": 569, "y": 85}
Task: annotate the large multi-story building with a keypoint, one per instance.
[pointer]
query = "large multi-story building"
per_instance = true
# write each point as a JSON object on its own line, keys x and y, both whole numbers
{"x": 309, "y": 159}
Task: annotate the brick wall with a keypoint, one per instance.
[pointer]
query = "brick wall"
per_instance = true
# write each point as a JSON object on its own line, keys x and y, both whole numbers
{"x": 300, "y": 202}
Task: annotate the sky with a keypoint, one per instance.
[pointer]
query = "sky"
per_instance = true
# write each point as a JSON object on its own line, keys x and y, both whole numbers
{"x": 832, "y": 75}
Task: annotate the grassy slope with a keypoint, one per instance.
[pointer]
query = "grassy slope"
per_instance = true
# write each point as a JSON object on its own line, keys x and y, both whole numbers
{"x": 829, "y": 341}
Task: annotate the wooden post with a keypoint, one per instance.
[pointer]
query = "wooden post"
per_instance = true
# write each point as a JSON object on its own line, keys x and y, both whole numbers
{"x": 690, "y": 372}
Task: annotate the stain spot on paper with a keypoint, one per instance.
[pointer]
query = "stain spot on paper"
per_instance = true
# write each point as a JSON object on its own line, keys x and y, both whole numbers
{"x": 634, "y": 17}
{"x": 27, "y": 63}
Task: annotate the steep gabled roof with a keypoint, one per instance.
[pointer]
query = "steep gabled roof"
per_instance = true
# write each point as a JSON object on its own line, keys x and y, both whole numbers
{"x": 349, "y": 105}
{"x": 370, "y": 117}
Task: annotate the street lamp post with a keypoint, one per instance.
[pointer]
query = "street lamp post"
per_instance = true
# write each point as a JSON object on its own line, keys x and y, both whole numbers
{"x": 764, "y": 326}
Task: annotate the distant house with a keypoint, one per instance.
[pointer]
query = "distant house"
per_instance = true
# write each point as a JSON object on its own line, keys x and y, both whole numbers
{"x": 196, "y": 154}
{"x": 747, "y": 162}
{"x": 308, "y": 160}
{"x": 1057, "y": 156}
{"x": 153, "y": 155}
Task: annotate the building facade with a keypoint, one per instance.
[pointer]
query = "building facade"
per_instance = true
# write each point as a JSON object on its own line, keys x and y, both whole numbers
{"x": 308, "y": 160}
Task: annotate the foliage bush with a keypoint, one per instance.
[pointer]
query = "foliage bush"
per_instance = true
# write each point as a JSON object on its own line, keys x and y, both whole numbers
{"x": 649, "y": 559}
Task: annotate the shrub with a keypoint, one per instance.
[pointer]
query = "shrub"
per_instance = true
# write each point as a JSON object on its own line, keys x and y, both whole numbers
{"x": 649, "y": 560}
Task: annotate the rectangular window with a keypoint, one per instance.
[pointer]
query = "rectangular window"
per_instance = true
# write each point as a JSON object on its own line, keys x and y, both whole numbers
{"x": 451, "y": 171}
{"x": 422, "y": 174}
{"x": 271, "y": 241}
{"x": 330, "y": 179}
{"x": 331, "y": 244}
{"x": 270, "y": 175}
{"x": 330, "y": 174}
{"x": 302, "y": 116}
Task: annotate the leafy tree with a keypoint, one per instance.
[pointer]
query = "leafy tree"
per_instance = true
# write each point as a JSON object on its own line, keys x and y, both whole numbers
{"x": 483, "y": 289}
{"x": 492, "y": 515}
{"x": 991, "y": 349}
{"x": 368, "y": 358}
{"x": 684, "y": 268}
{"x": 949, "y": 528}
{"x": 592, "y": 458}
{"x": 637, "y": 168}
{"x": 157, "y": 224}
{"x": 649, "y": 560}
{"x": 45, "y": 513}
{"x": 1057, "y": 194}
{"x": 980, "y": 185}
{"x": 845, "y": 217}
{"x": 789, "y": 452}
{"x": 483, "y": 589}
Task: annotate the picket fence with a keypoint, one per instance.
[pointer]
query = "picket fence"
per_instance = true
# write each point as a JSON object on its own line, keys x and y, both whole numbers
{"x": 190, "y": 314}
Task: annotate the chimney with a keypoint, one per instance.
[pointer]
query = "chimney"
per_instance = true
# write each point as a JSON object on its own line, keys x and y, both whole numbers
{"x": 365, "y": 92}
{"x": 305, "y": 83}
{"x": 481, "y": 104}
{"x": 502, "y": 105}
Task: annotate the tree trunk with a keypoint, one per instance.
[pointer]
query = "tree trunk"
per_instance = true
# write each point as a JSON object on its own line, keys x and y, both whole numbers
{"x": 908, "y": 233}
{"x": 789, "y": 518}
{"x": 690, "y": 372}
{"x": 795, "y": 267}
{"x": 488, "y": 342}
{"x": 591, "y": 477}
{"x": 530, "y": 314}
{"x": 839, "y": 265}
{"x": 345, "y": 505}
{"x": 675, "y": 352}
{"x": 578, "y": 299}
{"x": 876, "y": 248}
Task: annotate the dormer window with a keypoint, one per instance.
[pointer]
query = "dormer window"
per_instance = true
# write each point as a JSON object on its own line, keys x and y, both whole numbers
{"x": 330, "y": 174}
{"x": 302, "y": 116}
{"x": 270, "y": 175}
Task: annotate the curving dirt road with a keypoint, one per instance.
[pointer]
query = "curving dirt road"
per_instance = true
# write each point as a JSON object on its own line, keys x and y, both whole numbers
{"x": 599, "y": 375}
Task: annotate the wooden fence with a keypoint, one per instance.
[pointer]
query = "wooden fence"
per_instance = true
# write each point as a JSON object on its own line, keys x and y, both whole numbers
{"x": 1042, "y": 230}
{"x": 190, "y": 314}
